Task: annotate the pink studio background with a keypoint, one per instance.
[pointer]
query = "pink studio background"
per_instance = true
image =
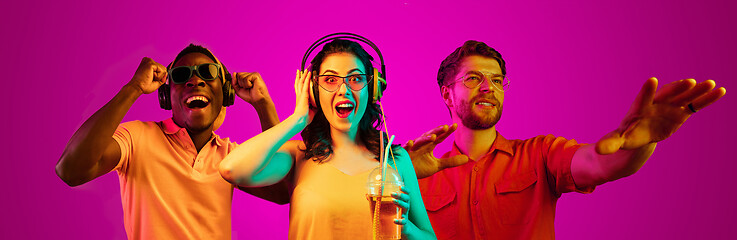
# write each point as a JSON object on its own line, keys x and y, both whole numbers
{"x": 575, "y": 68}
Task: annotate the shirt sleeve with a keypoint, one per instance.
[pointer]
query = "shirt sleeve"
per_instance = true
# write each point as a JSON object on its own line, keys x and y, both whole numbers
{"x": 124, "y": 136}
{"x": 558, "y": 154}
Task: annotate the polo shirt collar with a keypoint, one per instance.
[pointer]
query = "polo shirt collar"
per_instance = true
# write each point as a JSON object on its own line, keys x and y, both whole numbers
{"x": 217, "y": 139}
{"x": 171, "y": 128}
{"x": 500, "y": 143}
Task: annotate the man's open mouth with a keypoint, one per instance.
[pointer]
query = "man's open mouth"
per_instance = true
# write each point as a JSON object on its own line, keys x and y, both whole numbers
{"x": 195, "y": 102}
{"x": 485, "y": 103}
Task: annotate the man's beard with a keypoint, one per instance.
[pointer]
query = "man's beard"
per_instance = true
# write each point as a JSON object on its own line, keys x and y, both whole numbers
{"x": 473, "y": 121}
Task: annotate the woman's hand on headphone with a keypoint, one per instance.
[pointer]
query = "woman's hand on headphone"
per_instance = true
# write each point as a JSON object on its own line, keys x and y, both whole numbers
{"x": 149, "y": 76}
{"x": 303, "y": 89}
{"x": 250, "y": 87}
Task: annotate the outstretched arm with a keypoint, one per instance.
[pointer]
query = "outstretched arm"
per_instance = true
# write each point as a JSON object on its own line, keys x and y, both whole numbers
{"x": 421, "y": 149}
{"x": 92, "y": 152}
{"x": 267, "y": 158}
{"x": 653, "y": 117}
{"x": 251, "y": 88}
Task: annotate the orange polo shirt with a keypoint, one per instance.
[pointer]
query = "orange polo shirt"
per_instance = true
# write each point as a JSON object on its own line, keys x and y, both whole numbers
{"x": 510, "y": 193}
{"x": 168, "y": 189}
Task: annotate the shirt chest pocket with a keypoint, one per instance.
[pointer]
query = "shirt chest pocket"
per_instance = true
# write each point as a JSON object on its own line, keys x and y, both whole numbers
{"x": 442, "y": 208}
{"x": 516, "y": 198}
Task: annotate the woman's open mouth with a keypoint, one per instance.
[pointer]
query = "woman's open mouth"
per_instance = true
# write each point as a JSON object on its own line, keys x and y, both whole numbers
{"x": 344, "y": 108}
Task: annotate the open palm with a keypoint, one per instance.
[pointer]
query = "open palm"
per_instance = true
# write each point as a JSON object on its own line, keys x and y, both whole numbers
{"x": 656, "y": 115}
{"x": 421, "y": 152}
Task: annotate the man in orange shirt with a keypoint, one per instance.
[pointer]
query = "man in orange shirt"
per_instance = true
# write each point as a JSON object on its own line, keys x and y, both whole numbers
{"x": 169, "y": 181}
{"x": 488, "y": 187}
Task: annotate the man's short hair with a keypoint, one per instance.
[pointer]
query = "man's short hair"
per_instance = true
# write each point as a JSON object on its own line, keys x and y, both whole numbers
{"x": 449, "y": 66}
{"x": 200, "y": 49}
{"x": 193, "y": 49}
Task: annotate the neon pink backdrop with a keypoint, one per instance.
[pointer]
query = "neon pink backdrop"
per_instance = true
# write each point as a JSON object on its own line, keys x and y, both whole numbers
{"x": 575, "y": 68}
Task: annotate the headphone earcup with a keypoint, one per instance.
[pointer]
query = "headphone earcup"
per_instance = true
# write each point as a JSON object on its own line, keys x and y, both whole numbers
{"x": 228, "y": 91}
{"x": 379, "y": 85}
{"x": 314, "y": 93}
{"x": 164, "y": 100}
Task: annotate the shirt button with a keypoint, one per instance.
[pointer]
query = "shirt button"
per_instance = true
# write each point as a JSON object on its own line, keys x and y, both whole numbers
{"x": 475, "y": 202}
{"x": 475, "y": 169}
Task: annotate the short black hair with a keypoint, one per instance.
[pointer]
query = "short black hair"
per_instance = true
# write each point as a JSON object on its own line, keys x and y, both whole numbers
{"x": 192, "y": 48}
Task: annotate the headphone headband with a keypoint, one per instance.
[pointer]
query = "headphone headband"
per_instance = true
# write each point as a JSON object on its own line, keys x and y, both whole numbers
{"x": 344, "y": 35}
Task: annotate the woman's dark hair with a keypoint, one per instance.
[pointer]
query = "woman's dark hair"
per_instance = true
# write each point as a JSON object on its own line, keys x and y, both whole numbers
{"x": 316, "y": 135}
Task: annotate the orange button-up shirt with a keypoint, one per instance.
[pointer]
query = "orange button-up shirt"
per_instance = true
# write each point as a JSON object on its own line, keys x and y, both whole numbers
{"x": 510, "y": 193}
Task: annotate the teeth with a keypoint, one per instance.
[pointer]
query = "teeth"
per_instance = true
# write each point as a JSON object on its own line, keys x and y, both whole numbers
{"x": 485, "y": 104}
{"x": 193, "y": 98}
{"x": 346, "y": 105}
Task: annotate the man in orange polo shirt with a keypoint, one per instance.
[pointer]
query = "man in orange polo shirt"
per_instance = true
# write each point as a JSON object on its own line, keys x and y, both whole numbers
{"x": 489, "y": 187}
{"x": 168, "y": 171}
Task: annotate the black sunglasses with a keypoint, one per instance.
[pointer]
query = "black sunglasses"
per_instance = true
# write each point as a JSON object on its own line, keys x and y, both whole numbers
{"x": 205, "y": 71}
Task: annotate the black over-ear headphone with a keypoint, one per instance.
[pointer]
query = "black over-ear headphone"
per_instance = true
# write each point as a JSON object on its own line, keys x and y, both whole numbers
{"x": 228, "y": 92}
{"x": 378, "y": 79}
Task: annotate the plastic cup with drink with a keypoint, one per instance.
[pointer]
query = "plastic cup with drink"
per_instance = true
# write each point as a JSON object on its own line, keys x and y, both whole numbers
{"x": 382, "y": 182}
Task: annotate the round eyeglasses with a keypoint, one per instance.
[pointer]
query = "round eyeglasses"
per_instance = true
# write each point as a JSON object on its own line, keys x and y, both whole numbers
{"x": 473, "y": 79}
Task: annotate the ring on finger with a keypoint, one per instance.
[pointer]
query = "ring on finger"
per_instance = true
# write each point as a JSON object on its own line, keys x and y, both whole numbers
{"x": 690, "y": 107}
